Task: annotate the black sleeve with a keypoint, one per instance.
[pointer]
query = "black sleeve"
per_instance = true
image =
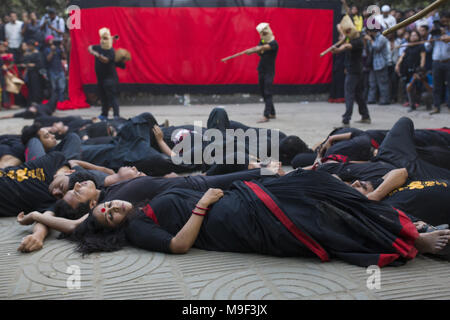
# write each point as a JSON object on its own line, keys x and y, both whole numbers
{"x": 110, "y": 54}
{"x": 273, "y": 45}
{"x": 357, "y": 44}
{"x": 144, "y": 233}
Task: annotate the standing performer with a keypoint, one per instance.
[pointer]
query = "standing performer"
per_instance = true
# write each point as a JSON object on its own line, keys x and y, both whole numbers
{"x": 353, "y": 66}
{"x": 267, "y": 49}
{"x": 105, "y": 69}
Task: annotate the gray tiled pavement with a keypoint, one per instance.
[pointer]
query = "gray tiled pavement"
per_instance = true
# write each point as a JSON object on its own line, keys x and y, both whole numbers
{"x": 137, "y": 274}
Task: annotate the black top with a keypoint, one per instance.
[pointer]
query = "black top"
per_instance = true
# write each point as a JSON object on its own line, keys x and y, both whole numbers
{"x": 35, "y": 58}
{"x": 353, "y": 57}
{"x": 105, "y": 70}
{"x": 358, "y": 171}
{"x": 99, "y": 176}
{"x": 25, "y": 188}
{"x": 267, "y": 62}
{"x": 411, "y": 60}
{"x": 426, "y": 200}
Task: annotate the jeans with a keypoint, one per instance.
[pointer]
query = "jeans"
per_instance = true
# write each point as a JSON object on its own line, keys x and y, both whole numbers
{"x": 58, "y": 83}
{"x": 265, "y": 86}
{"x": 441, "y": 74}
{"x": 354, "y": 92}
{"x": 379, "y": 80}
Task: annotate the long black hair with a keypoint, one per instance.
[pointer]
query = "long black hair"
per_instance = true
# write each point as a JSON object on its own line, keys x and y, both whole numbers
{"x": 92, "y": 236}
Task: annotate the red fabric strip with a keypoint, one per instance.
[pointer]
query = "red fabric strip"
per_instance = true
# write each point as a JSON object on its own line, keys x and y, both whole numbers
{"x": 446, "y": 130}
{"x": 150, "y": 213}
{"x": 374, "y": 144}
{"x": 301, "y": 236}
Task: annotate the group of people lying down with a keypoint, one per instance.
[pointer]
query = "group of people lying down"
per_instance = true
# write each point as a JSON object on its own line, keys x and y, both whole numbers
{"x": 366, "y": 197}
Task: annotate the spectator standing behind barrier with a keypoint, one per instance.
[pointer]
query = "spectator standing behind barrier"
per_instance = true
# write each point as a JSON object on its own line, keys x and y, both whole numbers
{"x": 379, "y": 77}
{"x": 52, "y": 25}
{"x": 393, "y": 77}
{"x": 31, "y": 29}
{"x": 426, "y": 36}
{"x": 420, "y": 89}
{"x": 13, "y": 34}
{"x": 441, "y": 62}
{"x": 413, "y": 57}
{"x": 32, "y": 61}
{"x": 53, "y": 56}
{"x": 385, "y": 19}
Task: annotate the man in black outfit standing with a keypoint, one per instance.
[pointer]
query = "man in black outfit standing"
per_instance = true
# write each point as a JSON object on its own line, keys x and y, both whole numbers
{"x": 267, "y": 50}
{"x": 105, "y": 69}
{"x": 353, "y": 49}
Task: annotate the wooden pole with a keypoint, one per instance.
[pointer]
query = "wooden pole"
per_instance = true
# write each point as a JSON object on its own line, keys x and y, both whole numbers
{"x": 417, "y": 16}
{"x": 333, "y": 46}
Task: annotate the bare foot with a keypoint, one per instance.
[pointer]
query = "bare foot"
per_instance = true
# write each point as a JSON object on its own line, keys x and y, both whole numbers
{"x": 420, "y": 225}
{"x": 263, "y": 120}
{"x": 254, "y": 165}
{"x": 275, "y": 167}
{"x": 432, "y": 242}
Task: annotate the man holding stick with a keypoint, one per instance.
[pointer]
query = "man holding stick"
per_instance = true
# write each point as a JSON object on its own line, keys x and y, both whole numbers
{"x": 267, "y": 50}
{"x": 353, "y": 66}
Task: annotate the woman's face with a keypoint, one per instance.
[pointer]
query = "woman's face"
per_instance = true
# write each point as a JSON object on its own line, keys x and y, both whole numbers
{"x": 414, "y": 37}
{"x": 113, "y": 213}
{"x": 128, "y": 173}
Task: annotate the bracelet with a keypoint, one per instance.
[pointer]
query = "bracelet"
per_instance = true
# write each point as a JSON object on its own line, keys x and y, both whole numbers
{"x": 198, "y": 214}
{"x": 206, "y": 209}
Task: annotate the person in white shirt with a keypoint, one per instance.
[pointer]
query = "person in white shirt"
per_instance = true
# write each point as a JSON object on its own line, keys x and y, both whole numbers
{"x": 385, "y": 19}
{"x": 13, "y": 34}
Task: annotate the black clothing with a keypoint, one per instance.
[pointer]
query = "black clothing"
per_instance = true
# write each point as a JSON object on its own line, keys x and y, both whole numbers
{"x": 357, "y": 171}
{"x": 425, "y": 200}
{"x": 146, "y": 188}
{"x": 99, "y": 176}
{"x": 107, "y": 81}
{"x": 268, "y": 58}
{"x": 25, "y": 188}
{"x": 353, "y": 57}
{"x": 12, "y": 145}
{"x": 300, "y": 214}
{"x": 266, "y": 75}
{"x": 398, "y": 149}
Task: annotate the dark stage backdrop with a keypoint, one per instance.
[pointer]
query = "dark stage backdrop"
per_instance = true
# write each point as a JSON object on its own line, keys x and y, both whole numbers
{"x": 177, "y": 45}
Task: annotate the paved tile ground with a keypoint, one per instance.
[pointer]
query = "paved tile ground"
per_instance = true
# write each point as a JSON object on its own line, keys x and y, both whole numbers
{"x": 137, "y": 274}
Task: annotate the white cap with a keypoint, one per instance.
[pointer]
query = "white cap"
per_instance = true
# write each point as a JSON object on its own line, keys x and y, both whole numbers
{"x": 261, "y": 26}
{"x": 385, "y": 8}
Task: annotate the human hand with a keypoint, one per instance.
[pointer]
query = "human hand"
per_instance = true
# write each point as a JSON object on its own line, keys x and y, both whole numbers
{"x": 158, "y": 133}
{"x": 25, "y": 219}
{"x": 210, "y": 197}
{"x": 31, "y": 243}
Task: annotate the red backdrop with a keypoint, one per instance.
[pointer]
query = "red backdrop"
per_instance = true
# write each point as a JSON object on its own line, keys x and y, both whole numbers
{"x": 184, "y": 45}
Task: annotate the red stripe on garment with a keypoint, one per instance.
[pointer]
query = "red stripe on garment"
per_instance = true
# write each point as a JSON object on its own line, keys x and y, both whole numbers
{"x": 446, "y": 130}
{"x": 150, "y": 213}
{"x": 374, "y": 143}
{"x": 301, "y": 236}
{"x": 27, "y": 151}
{"x": 404, "y": 244}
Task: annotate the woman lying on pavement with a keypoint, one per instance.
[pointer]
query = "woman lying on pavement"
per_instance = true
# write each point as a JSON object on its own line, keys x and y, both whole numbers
{"x": 303, "y": 213}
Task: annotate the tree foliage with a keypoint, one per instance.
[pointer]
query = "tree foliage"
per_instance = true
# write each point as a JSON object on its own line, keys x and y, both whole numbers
{"x": 38, "y": 6}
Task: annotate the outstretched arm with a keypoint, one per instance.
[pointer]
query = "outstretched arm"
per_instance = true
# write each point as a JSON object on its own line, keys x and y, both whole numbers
{"x": 60, "y": 224}
{"x": 161, "y": 143}
{"x": 186, "y": 237}
{"x": 90, "y": 166}
{"x": 392, "y": 180}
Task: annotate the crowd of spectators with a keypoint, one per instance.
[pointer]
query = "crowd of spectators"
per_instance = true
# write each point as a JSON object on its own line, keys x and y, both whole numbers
{"x": 33, "y": 58}
{"x": 410, "y": 66}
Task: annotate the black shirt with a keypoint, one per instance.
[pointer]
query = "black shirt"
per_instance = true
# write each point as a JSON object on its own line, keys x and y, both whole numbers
{"x": 358, "y": 171}
{"x": 25, "y": 188}
{"x": 108, "y": 70}
{"x": 353, "y": 57}
{"x": 99, "y": 176}
{"x": 411, "y": 60}
{"x": 426, "y": 200}
{"x": 267, "y": 62}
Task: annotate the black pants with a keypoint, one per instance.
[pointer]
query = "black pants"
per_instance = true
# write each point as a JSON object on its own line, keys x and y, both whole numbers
{"x": 266, "y": 88}
{"x": 34, "y": 87}
{"x": 441, "y": 74}
{"x": 354, "y": 92}
{"x": 108, "y": 95}
{"x": 398, "y": 149}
